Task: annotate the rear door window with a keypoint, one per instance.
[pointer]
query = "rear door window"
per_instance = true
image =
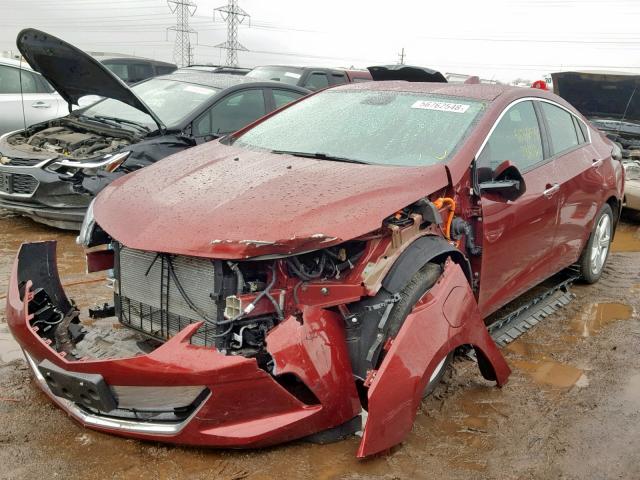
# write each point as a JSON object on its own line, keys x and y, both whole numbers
{"x": 516, "y": 138}
{"x": 316, "y": 81}
{"x": 10, "y": 81}
{"x": 282, "y": 97}
{"x": 164, "y": 70}
{"x": 231, "y": 113}
{"x": 562, "y": 130}
{"x": 139, "y": 72}
{"x": 338, "y": 78}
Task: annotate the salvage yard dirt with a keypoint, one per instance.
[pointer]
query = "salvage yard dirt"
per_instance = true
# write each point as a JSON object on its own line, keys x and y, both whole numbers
{"x": 570, "y": 410}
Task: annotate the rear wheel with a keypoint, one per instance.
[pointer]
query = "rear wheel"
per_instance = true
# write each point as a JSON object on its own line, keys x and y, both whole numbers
{"x": 594, "y": 257}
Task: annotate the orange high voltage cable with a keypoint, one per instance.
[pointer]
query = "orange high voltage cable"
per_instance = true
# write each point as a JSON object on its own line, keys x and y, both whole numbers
{"x": 441, "y": 202}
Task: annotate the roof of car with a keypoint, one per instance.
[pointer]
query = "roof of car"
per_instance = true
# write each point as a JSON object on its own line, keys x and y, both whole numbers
{"x": 15, "y": 63}
{"x": 476, "y": 91}
{"x": 217, "y": 80}
{"x": 103, "y": 57}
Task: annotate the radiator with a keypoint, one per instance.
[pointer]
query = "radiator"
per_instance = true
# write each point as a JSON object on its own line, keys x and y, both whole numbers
{"x": 148, "y": 297}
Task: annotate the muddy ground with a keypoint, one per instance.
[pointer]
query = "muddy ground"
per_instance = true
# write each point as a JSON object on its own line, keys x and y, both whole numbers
{"x": 570, "y": 410}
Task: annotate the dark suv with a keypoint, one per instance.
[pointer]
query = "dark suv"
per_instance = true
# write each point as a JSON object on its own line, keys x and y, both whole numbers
{"x": 313, "y": 78}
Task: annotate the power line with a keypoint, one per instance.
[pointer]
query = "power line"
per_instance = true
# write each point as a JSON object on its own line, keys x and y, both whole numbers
{"x": 182, "y": 48}
{"x": 234, "y": 16}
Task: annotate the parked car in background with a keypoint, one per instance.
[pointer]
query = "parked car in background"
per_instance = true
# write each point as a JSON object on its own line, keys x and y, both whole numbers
{"x": 325, "y": 261}
{"x": 611, "y": 101}
{"x": 27, "y": 101}
{"x": 134, "y": 69}
{"x": 313, "y": 78}
{"x": 408, "y": 73}
{"x": 215, "y": 69}
{"x": 51, "y": 170}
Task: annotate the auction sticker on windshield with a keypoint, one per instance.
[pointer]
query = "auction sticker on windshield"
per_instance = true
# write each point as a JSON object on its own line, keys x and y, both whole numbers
{"x": 292, "y": 75}
{"x": 441, "y": 106}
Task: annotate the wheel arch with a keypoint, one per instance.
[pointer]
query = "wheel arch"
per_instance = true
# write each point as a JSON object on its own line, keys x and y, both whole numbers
{"x": 429, "y": 248}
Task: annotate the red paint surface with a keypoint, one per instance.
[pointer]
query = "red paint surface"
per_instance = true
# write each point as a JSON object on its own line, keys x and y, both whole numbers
{"x": 209, "y": 204}
{"x": 423, "y": 341}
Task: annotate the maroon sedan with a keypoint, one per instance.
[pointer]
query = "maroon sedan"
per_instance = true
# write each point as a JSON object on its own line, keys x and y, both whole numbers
{"x": 313, "y": 274}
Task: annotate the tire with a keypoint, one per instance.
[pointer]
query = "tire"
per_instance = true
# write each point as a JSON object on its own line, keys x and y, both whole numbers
{"x": 596, "y": 252}
{"x": 420, "y": 284}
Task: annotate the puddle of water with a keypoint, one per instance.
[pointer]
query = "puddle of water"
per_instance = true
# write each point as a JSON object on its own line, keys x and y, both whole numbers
{"x": 627, "y": 239}
{"x": 549, "y": 372}
{"x": 597, "y": 316}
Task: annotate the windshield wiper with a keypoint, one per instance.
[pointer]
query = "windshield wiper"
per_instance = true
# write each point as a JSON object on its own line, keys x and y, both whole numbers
{"x": 119, "y": 121}
{"x": 319, "y": 156}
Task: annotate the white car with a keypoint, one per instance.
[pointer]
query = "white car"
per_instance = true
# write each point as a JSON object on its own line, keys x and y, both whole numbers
{"x": 41, "y": 101}
{"x": 632, "y": 184}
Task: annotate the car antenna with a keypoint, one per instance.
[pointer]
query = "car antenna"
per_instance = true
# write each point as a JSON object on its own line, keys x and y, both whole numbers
{"x": 624, "y": 115}
{"x": 24, "y": 117}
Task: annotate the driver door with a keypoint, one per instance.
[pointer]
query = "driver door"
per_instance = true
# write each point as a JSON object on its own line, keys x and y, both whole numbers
{"x": 517, "y": 236}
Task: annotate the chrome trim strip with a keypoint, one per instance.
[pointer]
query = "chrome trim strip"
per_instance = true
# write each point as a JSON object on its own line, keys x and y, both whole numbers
{"x": 524, "y": 99}
{"x": 155, "y": 428}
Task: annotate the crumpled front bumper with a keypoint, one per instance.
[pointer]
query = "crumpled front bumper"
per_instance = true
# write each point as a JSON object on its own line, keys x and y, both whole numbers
{"x": 244, "y": 407}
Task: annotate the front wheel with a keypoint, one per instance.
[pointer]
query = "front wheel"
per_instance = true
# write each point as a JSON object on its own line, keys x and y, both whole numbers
{"x": 594, "y": 257}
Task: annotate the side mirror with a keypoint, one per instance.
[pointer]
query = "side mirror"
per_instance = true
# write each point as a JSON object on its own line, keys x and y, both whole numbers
{"x": 507, "y": 182}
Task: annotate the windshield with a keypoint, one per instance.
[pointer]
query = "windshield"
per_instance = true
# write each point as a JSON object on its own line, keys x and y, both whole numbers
{"x": 170, "y": 100}
{"x": 289, "y": 75}
{"x": 378, "y": 127}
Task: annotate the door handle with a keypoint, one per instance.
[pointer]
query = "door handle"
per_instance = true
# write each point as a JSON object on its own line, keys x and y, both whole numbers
{"x": 41, "y": 105}
{"x": 551, "y": 190}
{"x": 597, "y": 163}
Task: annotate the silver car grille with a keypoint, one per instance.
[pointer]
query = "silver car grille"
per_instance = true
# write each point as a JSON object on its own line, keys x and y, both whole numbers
{"x": 151, "y": 300}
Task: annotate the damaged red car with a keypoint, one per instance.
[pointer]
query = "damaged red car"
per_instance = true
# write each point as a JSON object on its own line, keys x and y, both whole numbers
{"x": 311, "y": 275}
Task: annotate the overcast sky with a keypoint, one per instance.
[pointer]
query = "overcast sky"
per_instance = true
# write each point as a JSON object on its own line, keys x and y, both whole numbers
{"x": 501, "y": 39}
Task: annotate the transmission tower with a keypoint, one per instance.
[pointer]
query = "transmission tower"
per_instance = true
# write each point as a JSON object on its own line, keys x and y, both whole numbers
{"x": 182, "y": 50}
{"x": 401, "y": 57}
{"x": 234, "y": 16}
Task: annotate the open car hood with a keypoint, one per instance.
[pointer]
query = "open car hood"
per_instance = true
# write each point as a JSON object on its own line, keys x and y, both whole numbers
{"x": 73, "y": 73}
{"x": 600, "y": 95}
{"x": 406, "y": 72}
{"x": 226, "y": 202}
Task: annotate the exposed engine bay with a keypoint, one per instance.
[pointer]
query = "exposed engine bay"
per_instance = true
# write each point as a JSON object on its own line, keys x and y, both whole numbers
{"x": 70, "y": 139}
{"x": 156, "y": 295}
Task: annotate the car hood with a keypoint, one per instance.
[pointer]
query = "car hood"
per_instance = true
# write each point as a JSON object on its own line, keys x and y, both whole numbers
{"x": 225, "y": 202}
{"x": 73, "y": 73}
{"x": 406, "y": 72}
{"x": 600, "y": 95}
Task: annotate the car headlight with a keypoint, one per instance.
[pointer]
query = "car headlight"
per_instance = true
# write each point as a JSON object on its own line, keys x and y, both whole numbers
{"x": 108, "y": 163}
{"x": 88, "y": 224}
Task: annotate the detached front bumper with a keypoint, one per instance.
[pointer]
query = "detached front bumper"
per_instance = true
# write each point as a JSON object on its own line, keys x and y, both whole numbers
{"x": 240, "y": 404}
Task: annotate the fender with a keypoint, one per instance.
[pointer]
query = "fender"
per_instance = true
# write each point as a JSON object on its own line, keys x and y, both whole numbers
{"x": 444, "y": 319}
{"x": 418, "y": 254}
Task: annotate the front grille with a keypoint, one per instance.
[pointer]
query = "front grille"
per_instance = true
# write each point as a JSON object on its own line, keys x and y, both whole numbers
{"x": 23, "y": 162}
{"x": 149, "y": 299}
{"x": 19, "y": 183}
